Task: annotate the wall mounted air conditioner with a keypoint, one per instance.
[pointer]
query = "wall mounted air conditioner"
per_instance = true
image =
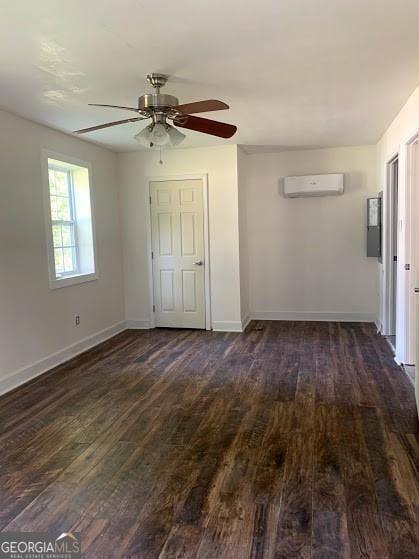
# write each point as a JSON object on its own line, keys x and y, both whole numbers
{"x": 313, "y": 185}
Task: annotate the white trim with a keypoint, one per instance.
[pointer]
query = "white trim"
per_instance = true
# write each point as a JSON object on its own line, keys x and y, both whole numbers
{"x": 388, "y": 241}
{"x": 233, "y": 326}
{"x": 405, "y": 279}
{"x": 16, "y": 378}
{"x": 149, "y": 244}
{"x": 410, "y": 278}
{"x": 397, "y": 360}
{"x": 186, "y": 176}
{"x": 138, "y": 325}
{"x": 245, "y": 322}
{"x": 207, "y": 271}
{"x": 313, "y": 316}
{"x": 66, "y": 281}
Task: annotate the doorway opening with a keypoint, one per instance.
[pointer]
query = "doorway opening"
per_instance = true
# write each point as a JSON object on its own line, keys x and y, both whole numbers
{"x": 392, "y": 250}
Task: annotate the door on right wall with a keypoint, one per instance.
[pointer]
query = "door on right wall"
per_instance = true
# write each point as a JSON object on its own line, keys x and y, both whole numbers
{"x": 415, "y": 174}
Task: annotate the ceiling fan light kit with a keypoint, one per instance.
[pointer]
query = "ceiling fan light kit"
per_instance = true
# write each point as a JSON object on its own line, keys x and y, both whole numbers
{"x": 161, "y": 107}
{"x": 157, "y": 135}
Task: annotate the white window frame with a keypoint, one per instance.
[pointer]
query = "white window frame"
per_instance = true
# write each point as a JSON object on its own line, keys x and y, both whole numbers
{"x": 69, "y": 279}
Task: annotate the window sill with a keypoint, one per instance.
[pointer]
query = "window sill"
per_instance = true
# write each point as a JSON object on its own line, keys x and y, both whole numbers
{"x": 68, "y": 281}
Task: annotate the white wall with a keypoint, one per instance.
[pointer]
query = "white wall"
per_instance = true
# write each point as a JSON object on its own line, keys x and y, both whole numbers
{"x": 243, "y": 238}
{"x": 220, "y": 163}
{"x": 270, "y": 256}
{"x": 307, "y": 257}
{"x": 36, "y": 322}
{"x": 394, "y": 141}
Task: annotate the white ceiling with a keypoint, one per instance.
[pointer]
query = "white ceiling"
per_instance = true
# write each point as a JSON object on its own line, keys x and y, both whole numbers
{"x": 295, "y": 72}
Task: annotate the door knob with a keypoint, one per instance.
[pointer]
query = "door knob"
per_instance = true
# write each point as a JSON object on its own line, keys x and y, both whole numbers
{"x": 416, "y": 289}
{"x": 198, "y": 263}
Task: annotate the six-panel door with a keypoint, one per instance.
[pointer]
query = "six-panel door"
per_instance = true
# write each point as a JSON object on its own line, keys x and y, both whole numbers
{"x": 177, "y": 220}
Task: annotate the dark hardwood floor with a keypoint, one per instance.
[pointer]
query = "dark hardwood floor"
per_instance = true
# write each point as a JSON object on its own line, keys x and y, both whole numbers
{"x": 293, "y": 440}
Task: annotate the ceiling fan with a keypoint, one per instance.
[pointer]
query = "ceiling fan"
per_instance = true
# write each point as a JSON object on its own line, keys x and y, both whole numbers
{"x": 161, "y": 107}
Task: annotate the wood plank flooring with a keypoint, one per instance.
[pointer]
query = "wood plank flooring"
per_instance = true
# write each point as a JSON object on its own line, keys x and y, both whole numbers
{"x": 292, "y": 440}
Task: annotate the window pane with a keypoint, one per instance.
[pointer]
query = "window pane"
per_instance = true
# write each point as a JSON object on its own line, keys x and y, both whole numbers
{"x": 61, "y": 183}
{"x": 51, "y": 176}
{"x": 56, "y": 235}
{"x": 59, "y": 261}
{"x": 63, "y": 209}
{"x": 67, "y": 235}
{"x": 54, "y": 210}
{"x": 69, "y": 260}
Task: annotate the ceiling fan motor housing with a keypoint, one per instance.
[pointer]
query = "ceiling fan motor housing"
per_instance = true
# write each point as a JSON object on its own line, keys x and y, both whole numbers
{"x": 157, "y": 101}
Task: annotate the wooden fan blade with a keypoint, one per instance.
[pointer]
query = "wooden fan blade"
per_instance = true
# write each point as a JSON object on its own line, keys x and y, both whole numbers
{"x": 201, "y": 107}
{"x": 213, "y": 127}
{"x": 99, "y": 126}
{"x": 113, "y": 107}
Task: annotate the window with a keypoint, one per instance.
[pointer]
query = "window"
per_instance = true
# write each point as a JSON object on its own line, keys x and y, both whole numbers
{"x": 61, "y": 195}
{"x": 70, "y": 224}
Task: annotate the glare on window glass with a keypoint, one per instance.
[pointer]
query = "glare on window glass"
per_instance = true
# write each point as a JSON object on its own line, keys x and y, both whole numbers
{"x": 68, "y": 259}
{"x": 59, "y": 261}
{"x": 51, "y": 176}
{"x": 56, "y": 235}
{"x": 63, "y": 208}
{"x": 66, "y": 235}
{"x": 61, "y": 183}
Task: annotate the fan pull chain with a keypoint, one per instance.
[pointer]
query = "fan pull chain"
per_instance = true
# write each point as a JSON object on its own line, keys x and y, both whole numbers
{"x": 161, "y": 160}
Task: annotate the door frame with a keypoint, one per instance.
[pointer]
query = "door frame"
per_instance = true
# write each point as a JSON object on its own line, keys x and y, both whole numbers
{"x": 388, "y": 237}
{"x": 405, "y": 319}
{"x": 207, "y": 272}
{"x": 412, "y": 198}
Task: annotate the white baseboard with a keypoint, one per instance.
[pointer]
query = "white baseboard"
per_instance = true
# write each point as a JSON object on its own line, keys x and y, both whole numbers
{"x": 233, "y": 326}
{"x": 138, "y": 324}
{"x": 245, "y": 322}
{"x": 16, "y": 378}
{"x": 316, "y": 316}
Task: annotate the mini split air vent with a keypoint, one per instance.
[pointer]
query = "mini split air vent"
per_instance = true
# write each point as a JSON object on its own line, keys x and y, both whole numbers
{"x": 313, "y": 185}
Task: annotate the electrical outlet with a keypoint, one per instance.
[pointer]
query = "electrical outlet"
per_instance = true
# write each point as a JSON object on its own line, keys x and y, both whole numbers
{"x": 77, "y": 317}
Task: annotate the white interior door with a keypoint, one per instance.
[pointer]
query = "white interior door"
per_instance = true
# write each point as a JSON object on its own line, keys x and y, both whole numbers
{"x": 177, "y": 223}
{"x": 415, "y": 171}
